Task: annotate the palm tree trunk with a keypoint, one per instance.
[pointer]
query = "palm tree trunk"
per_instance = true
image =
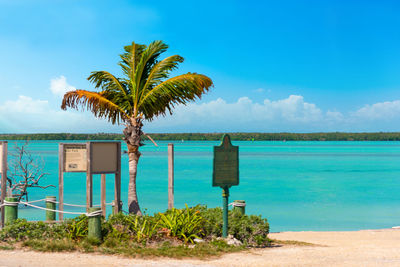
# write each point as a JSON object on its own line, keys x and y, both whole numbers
{"x": 133, "y": 202}
{"x": 132, "y": 136}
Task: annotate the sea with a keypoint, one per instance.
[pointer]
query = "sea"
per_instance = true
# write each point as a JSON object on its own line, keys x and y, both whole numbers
{"x": 297, "y": 186}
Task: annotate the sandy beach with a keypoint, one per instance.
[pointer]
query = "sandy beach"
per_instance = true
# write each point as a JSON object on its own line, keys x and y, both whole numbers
{"x": 358, "y": 248}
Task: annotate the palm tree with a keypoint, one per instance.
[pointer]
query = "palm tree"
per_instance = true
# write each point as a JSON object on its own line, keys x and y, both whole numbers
{"x": 144, "y": 92}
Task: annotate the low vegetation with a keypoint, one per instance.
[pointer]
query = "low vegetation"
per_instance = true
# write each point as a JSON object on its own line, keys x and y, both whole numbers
{"x": 188, "y": 232}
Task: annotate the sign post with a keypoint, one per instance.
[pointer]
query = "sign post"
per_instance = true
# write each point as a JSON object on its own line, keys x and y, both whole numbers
{"x": 3, "y": 172}
{"x": 225, "y": 173}
{"x": 92, "y": 158}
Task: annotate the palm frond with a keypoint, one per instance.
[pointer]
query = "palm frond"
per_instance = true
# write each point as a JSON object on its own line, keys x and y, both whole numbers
{"x": 148, "y": 59}
{"x": 117, "y": 89}
{"x": 160, "y": 71}
{"x": 177, "y": 90}
{"x": 130, "y": 59}
{"x": 95, "y": 102}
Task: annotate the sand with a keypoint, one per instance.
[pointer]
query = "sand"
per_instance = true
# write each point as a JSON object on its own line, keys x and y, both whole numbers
{"x": 359, "y": 248}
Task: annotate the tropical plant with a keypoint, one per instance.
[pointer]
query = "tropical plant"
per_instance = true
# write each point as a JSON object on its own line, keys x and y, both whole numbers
{"x": 186, "y": 224}
{"x": 145, "y": 92}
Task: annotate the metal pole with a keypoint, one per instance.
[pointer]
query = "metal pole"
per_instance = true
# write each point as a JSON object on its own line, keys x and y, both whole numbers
{"x": 170, "y": 176}
{"x": 225, "y": 196}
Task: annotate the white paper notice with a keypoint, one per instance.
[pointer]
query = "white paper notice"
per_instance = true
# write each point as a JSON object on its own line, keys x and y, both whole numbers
{"x": 75, "y": 159}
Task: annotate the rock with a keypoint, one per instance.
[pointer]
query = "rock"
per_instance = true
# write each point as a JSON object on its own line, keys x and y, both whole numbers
{"x": 198, "y": 240}
{"x": 230, "y": 240}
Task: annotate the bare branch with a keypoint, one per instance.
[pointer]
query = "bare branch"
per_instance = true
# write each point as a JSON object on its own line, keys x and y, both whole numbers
{"x": 25, "y": 172}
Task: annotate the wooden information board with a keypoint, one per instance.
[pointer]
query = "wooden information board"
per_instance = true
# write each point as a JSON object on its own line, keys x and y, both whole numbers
{"x": 75, "y": 159}
{"x": 91, "y": 158}
{"x": 226, "y": 164}
{"x": 104, "y": 157}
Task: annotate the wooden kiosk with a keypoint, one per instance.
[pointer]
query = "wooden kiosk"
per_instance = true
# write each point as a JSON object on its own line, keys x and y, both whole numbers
{"x": 3, "y": 172}
{"x": 93, "y": 158}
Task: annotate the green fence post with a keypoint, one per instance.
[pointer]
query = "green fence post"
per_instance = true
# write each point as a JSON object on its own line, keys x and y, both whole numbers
{"x": 51, "y": 205}
{"x": 95, "y": 224}
{"x": 225, "y": 196}
{"x": 240, "y": 205}
{"x": 10, "y": 210}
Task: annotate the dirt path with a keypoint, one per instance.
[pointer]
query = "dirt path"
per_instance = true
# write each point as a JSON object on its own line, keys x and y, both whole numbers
{"x": 361, "y": 248}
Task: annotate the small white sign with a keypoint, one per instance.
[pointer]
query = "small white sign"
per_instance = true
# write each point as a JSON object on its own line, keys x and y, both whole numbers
{"x": 75, "y": 158}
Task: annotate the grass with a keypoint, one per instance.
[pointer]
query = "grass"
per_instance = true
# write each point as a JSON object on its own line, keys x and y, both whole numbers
{"x": 131, "y": 249}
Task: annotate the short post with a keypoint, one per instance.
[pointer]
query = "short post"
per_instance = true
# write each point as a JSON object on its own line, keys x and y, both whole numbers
{"x": 240, "y": 205}
{"x": 116, "y": 209}
{"x": 94, "y": 230}
{"x": 225, "y": 196}
{"x": 170, "y": 176}
{"x": 11, "y": 209}
{"x": 50, "y": 205}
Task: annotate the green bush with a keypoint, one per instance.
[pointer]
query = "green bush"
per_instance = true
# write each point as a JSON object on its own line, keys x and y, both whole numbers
{"x": 21, "y": 230}
{"x": 250, "y": 229}
{"x": 173, "y": 225}
{"x": 131, "y": 227}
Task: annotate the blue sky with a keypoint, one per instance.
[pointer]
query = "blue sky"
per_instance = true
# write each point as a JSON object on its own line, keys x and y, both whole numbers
{"x": 297, "y": 66}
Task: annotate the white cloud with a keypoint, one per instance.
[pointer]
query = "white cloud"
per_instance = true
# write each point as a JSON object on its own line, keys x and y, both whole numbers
{"x": 28, "y": 115}
{"x": 243, "y": 115}
{"x": 59, "y": 86}
{"x": 384, "y": 110}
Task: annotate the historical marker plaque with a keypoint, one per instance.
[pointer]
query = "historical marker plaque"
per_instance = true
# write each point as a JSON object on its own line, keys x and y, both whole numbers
{"x": 75, "y": 158}
{"x": 226, "y": 164}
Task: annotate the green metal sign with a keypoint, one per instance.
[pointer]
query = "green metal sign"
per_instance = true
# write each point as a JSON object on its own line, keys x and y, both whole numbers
{"x": 226, "y": 163}
{"x": 225, "y": 174}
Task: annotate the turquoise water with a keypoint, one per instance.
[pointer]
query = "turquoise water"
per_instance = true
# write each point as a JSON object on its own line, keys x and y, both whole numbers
{"x": 296, "y": 185}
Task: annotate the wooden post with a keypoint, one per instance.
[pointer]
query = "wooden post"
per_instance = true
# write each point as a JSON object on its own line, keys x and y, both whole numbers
{"x": 170, "y": 176}
{"x": 103, "y": 194}
{"x": 61, "y": 180}
{"x": 117, "y": 184}
{"x": 11, "y": 210}
{"x": 89, "y": 179}
{"x": 94, "y": 225}
{"x": 3, "y": 178}
{"x": 51, "y": 205}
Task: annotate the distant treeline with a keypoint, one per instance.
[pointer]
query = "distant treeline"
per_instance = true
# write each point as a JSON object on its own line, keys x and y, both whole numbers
{"x": 334, "y": 136}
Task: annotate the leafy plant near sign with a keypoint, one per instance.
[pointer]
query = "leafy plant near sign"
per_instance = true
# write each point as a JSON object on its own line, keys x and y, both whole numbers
{"x": 185, "y": 223}
{"x": 77, "y": 228}
{"x": 164, "y": 234}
